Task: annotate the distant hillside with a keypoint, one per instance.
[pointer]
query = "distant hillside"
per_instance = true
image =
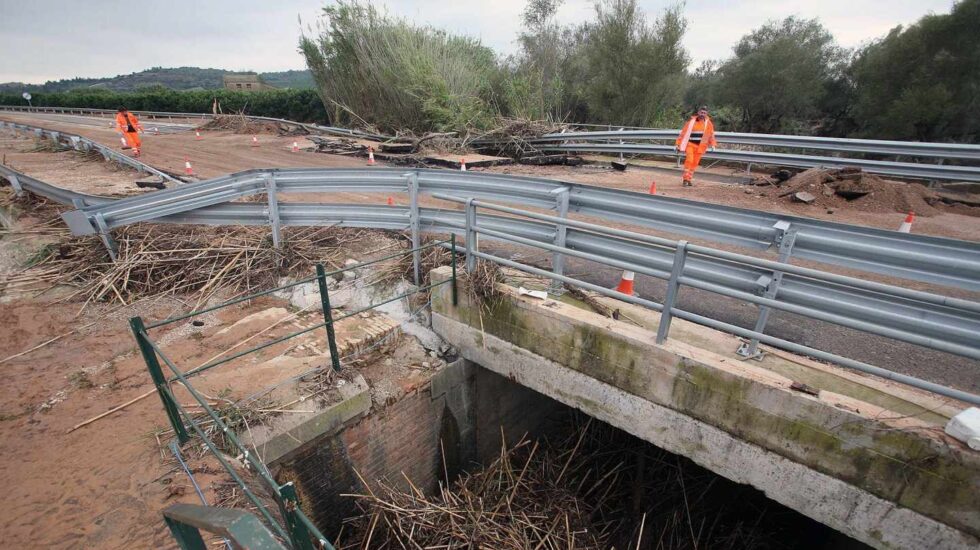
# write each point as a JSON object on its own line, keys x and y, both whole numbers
{"x": 180, "y": 78}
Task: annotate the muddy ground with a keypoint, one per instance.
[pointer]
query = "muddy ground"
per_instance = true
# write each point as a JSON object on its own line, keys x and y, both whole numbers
{"x": 104, "y": 485}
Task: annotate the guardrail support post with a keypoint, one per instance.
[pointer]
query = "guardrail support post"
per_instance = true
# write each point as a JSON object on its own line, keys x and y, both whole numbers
{"x": 452, "y": 249}
{"x": 621, "y": 158}
{"x": 561, "y": 230}
{"x": 414, "y": 223}
{"x": 271, "y": 193}
{"x": 15, "y": 183}
{"x": 680, "y": 257}
{"x": 321, "y": 277}
{"x": 750, "y": 350}
{"x": 159, "y": 380}
{"x": 298, "y": 533}
{"x": 472, "y": 238}
{"x": 106, "y": 236}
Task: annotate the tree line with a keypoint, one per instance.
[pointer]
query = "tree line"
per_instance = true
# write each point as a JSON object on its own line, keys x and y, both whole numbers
{"x": 175, "y": 78}
{"x": 297, "y": 105}
{"x": 920, "y": 82}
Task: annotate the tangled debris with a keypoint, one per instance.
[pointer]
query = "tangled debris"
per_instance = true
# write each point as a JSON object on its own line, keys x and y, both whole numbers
{"x": 403, "y": 267}
{"x": 518, "y": 501}
{"x": 156, "y": 259}
{"x": 240, "y": 124}
{"x": 512, "y": 136}
{"x": 483, "y": 281}
{"x": 592, "y": 487}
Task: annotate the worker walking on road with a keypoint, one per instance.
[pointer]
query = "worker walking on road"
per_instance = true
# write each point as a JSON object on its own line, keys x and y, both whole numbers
{"x": 697, "y": 136}
{"x": 129, "y": 125}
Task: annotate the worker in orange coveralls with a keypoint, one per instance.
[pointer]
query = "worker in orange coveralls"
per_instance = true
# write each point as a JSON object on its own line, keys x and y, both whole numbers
{"x": 129, "y": 125}
{"x": 697, "y": 136}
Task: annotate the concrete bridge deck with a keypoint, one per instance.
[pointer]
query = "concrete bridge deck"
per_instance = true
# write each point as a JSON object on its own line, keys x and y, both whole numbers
{"x": 864, "y": 456}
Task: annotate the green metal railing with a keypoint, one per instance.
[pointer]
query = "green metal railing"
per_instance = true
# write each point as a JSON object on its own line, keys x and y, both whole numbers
{"x": 299, "y": 531}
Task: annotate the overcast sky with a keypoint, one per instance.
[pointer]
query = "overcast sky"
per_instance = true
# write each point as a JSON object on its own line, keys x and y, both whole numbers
{"x": 52, "y": 39}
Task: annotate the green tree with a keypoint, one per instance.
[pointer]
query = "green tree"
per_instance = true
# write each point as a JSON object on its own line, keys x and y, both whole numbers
{"x": 536, "y": 87}
{"x": 923, "y": 82}
{"x": 635, "y": 70}
{"x": 780, "y": 75}
{"x": 372, "y": 68}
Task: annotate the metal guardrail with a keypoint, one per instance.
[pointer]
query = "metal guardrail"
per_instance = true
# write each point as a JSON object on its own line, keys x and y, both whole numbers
{"x": 931, "y": 259}
{"x": 299, "y": 530}
{"x": 887, "y": 168}
{"x": 312, "y": 128}
{"x": 920, "y": 149}
{"x": 22, "y": 182}
{"x": 924, "y": 319}
{"x": 84, "y": 144}
{"x": 678, "y": 273}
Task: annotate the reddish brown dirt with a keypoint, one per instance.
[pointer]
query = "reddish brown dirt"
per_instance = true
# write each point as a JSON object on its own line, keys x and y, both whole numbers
{"x": 105, "y": 484}
{"x": 882, "y": 195}
{"x": 71, "y": 169}
{"x": 216, "y": 153}
{"x": 98, "y": 487}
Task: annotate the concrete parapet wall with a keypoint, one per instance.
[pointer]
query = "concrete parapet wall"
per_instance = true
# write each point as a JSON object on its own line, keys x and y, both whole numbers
{"x": 881, "y": 477}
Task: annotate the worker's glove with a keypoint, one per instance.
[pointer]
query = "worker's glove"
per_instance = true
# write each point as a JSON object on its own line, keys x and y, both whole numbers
{"x": 711, "y": 149}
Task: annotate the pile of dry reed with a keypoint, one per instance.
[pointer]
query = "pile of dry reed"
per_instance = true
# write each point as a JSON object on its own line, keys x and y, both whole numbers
{"x": 157, "y": 259}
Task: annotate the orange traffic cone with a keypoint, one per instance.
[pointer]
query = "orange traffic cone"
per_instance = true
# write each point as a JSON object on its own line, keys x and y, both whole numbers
{"x": 391, "y": 201}
{"x": 906, "y": 226}
{"x": 255, "y": 141}
{"x": 626, "y": 283}
{"x": 370, "y": 156}
{"x": 197, "y": 135}
{"x": 653, "y": 188}
{"x": 462, "y": 165}
{"x": 188, "y": 169}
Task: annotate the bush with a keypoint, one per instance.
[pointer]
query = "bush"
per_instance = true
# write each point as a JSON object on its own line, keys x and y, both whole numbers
{"x": 376, "y": 69}
{"x": 298, "y": 105}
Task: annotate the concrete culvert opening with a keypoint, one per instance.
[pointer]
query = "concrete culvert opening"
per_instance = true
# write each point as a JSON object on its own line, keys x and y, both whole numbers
{"x": 476, "y": 458}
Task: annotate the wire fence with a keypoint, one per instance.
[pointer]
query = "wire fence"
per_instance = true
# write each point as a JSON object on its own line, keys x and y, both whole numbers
{"x": 296, "y": 528}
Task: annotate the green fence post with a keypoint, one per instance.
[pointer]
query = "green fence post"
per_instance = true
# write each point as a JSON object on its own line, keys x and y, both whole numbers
{"x": 188, "y": 537}
{"x": 159, "y": 380}
{"x": 321, "y": 277}
{"x": 298, "y": 533}
{"x": 452, "y": 244}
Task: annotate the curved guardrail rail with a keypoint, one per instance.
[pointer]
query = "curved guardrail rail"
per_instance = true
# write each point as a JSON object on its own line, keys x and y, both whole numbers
{"x": 924, "y": 319}
{"x": 874, "y": 146}
{"x": 884, "y": 167}
{"x": 931, "y": 259}
{"x": 84, "y": 144}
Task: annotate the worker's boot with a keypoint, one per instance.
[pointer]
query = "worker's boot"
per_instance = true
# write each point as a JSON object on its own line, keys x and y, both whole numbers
{"x": 687, "y": 183}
